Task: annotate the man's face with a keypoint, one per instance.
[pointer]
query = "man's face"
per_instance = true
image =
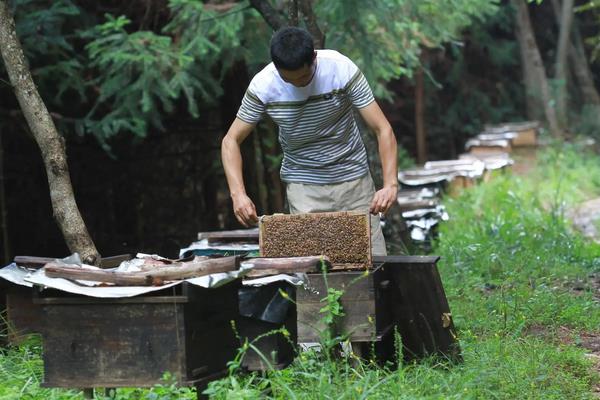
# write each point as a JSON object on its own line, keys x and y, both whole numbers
{"x": 300, "y": 77}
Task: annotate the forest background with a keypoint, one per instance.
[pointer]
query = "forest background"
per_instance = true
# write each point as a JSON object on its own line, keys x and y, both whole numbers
{"x": 143, "y": 91}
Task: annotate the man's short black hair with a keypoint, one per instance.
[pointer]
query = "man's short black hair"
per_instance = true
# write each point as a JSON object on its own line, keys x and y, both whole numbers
{"x": 292, "y": 48}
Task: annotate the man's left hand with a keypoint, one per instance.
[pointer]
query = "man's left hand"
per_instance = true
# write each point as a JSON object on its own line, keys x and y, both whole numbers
{"x": 384, "y": 199}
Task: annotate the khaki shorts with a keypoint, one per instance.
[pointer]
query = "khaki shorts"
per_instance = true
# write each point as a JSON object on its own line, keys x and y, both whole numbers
{"x": 354, "y": 195}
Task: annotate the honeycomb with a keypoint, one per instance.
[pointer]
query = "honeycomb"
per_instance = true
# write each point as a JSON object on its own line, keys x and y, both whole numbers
{"x": 344, "y": 237}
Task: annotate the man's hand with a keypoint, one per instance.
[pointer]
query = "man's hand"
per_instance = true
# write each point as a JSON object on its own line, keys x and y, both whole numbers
{"x": 384, "y": 199}
{"x": 244, "y": 210}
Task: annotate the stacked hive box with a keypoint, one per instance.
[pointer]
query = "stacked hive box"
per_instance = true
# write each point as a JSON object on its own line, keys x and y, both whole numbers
{"x": 130, "y": 342}
{"x": 345, "y": 238}
{"x": 525, "y": 133}
{"x": 375, "y": 300}
{"x": 262, "y": 309}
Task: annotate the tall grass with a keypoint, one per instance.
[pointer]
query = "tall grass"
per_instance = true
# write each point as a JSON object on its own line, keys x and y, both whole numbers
{"x": 509, "y": 261}
{"x": 509, "y": 258}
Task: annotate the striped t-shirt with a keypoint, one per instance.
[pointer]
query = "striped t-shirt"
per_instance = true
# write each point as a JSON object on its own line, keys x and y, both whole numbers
{"x": 318, "y": 133}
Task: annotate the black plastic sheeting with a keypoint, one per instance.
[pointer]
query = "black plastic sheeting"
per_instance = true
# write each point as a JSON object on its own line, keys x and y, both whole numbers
{"x": 266, "y": 302}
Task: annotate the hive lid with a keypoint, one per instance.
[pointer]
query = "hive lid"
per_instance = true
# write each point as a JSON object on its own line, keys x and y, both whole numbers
{"x": 344, "y": 237}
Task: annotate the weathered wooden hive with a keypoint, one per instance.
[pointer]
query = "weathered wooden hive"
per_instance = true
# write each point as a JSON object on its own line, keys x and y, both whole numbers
{"x": 376, "y": 298}
{"x": 526, "y": 133}
{"x": 478, "y": 146}
{"x": 345, "y": 238}
{"x": 131, "y": 342}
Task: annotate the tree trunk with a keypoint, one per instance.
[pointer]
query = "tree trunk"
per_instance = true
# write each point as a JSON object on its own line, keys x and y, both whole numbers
{"x": 270, "y": 15}
{"x": 536, "y": 81}
{"x": 581, "y": 68}
{"x": 421, "y": 134}
{"x": 51, "y": 144}
{"x": 293, "y": 12}
{"x": 579, "y": 63}
{"x": 3, "y": 213}
{"x": 564, "y": 44}
{"x": 311, "y": 23}
{"x": 533, "y": 97}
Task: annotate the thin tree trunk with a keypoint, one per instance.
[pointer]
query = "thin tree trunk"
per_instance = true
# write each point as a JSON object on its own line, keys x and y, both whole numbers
{"x": 536, "y": 81}
{"x": 293, "y": 12}
{"x": 3, "y": 214}
{"x": 51, "y": 144}
{"x": 579, "y": 63}
{"x": 421, "y": 134}
{"x": 270, "y": 15}
{"x": 533, "y": 97}
{"x": 311, "y": 23}
{"x": 564, "y": 43}
{"x": 582, "y": 70}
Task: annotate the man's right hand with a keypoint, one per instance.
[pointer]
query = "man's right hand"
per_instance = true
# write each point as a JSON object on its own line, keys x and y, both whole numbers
{"x": 244, "y": 210}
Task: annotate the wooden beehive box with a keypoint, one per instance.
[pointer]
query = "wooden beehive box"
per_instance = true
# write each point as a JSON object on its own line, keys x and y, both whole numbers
{"x": 131, "y": 342}
{"x": 344, "y": 237}
{"x": 526, "y": 132}
{"x": 23, "y": 317}
{"x": 367, "y": 314}
{"x": 270, "y": 350}
{"x": 476, "y": 146}
{"x": 450, "y": 179}
{"x": 419, "y": 306}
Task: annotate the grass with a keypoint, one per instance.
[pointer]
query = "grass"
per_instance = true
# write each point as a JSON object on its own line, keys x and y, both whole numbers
{"x": 509, "y": 262}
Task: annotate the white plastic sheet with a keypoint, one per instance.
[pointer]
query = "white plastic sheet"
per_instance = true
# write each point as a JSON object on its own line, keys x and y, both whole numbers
{"x": 26, "y": 277}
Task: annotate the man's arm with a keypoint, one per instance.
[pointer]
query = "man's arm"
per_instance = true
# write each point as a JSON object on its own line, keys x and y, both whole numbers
{"x": 388, "y": 153}
{"x": 231, "y": 155}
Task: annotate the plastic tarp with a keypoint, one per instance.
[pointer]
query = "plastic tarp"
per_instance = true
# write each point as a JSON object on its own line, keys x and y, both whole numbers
{"x": 203, "y": 247}
{"x": 27, "y": 277}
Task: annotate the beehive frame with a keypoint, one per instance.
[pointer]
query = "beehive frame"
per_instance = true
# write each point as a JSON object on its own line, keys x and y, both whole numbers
{"x": 346, "y": 239}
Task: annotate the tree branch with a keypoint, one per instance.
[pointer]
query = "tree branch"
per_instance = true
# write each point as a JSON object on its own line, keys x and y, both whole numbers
{"x": 293, "y": 12}
{"x": 270, "y": 15}
{"x": 311, "y": 23}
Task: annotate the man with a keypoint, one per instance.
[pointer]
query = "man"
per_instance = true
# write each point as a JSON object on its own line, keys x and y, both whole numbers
{"x": 310, "y": 95}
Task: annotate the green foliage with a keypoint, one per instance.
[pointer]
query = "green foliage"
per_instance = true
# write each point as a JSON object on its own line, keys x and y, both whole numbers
{"x": 141, "y": 75}
{"x": 405, "y": 161}
{"x": 385, "y": 38}
{"x": 586, "y": 121}
{"x": 465, "y": 102}
{"x": 21, "y": 374}
{"x": 137, "y": 73}
{"x": 42, "y": 31}
{"x": 206, "y": 36}
{"x": 569, "y": 174}
{"x": 332, "y": 312}
{"x": 133, "y": 78}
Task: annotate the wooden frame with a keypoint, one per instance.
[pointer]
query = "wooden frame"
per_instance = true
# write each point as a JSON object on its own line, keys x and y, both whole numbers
{"x": 307, "y": 217}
